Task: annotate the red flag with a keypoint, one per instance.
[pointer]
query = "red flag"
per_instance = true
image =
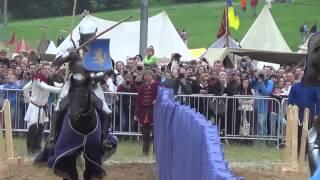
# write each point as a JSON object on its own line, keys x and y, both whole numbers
{"x": 13, "y": 39}
{"x": 21, "y": 46}
{"x": 223, "y": 26}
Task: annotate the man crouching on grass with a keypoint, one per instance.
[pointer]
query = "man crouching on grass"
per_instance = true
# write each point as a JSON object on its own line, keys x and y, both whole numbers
{"x": 147, "y": 93}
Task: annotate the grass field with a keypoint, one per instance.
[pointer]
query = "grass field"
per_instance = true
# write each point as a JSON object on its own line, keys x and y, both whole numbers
{"x": 201, "y": 20}
{"x": 257, "y": 156}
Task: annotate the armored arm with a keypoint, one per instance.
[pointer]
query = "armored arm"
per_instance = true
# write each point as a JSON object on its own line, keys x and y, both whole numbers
{"x": 64, "y": 56}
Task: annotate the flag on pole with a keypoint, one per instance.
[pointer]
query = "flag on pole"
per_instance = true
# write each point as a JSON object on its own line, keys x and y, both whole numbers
{"x": 234, "y": 21}
{"x": 223, "y": 29}
{"x": 13, "y": 39}
{"x": 233, "y": 18}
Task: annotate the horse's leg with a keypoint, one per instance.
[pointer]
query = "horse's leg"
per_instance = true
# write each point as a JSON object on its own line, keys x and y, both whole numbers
{"x": 70, "y": 164}
{"x": 88, "y": 172}
{"x": 74, "y": 171}
{"x": 92, "y": 171}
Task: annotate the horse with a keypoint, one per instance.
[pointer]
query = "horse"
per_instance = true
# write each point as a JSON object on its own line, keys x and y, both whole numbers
{"x": 312, "y": 78}
{"x": 81, "y": 130}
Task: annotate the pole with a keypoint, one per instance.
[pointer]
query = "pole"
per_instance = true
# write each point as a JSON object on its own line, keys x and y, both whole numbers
{"x": 143, "y": 27}
{"x": 5, "y": 21}
{"x": 227, "y": 25}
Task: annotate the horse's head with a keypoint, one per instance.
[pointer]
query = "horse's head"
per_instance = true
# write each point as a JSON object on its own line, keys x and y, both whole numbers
{"x": 312, "y": 67}
{"x": 80, "y": 91}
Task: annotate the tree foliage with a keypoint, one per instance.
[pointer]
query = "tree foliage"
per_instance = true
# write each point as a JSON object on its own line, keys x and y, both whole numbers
{"x": 192, "y": 0}
{"x": 46, "y": 8}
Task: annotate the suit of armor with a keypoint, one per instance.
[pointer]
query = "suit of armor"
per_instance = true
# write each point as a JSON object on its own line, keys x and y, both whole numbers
{"x": 78, "y": 75}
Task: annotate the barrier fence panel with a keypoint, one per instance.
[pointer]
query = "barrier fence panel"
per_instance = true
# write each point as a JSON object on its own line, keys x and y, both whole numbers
{"x": 19, "y": 107}
{"x": 284, "y": 110}
{"x": 121, "y": 104}
{"x": 122, "y": 117}
{"x": 240, "y": 117}
{"x": 237, "y": 117}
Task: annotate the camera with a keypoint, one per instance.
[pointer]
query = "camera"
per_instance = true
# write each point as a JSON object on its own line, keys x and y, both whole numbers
{"x": 204, "y": 60}
{"x": 181, "y": 76}
{"x": 163, "y": 68}
{"x": 176, "y": 56}
{"x": 125, "y": 72}
{"x": 139, "y": 68}
{"x": 261, "y": 76}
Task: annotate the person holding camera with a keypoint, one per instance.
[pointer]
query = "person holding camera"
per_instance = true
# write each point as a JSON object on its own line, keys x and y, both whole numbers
{"x": 140, "y": 67}
{"x": 137, "y": 59}
{"x": 180, "y": 85}
{"x": 126, "y": 108}
{"x": 262, "y": 87}
{"x": 247, "y": 65}
{"x": 185, "y": 85}
{"x": 175, "y": 62}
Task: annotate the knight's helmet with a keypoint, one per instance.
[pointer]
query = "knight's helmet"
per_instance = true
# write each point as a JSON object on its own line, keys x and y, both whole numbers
{"x": 87, "y": 30}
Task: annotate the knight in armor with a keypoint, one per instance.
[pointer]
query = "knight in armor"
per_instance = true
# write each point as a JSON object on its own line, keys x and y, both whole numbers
{"x": 86, "y": 31}
{"x": 37, "y": 114}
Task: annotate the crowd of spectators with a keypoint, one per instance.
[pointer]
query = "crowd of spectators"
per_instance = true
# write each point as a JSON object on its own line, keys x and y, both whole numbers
{"x": 194, "y": 77}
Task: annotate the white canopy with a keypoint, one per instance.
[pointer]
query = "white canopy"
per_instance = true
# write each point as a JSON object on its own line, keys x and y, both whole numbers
{"x": 303, "y": 48}
{"x": 52, "y": 49}
{"x": 275, "y": 57}
{"x": 124, "y": 39}
{"x": 215, "y": 54}
{"x": 222, "y": 42}
{"x": 219, "y": 49}
{"x": 264, "y": 34}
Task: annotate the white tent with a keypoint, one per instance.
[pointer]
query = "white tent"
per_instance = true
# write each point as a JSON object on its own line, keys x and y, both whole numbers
{"x": 303, "y": 48}
{"x": 52, "y": 49}
{"x": 264, "y": 34}
{"x": 124, "y": 39}
{"x": 222, "y": 42}
{"x": 214, "y": 54}
{"x": 219, "y": 49}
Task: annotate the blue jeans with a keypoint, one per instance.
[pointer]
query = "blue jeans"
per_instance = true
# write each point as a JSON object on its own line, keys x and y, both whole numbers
{"x": 273, "y": 123}
{"x": 262, "y": 124}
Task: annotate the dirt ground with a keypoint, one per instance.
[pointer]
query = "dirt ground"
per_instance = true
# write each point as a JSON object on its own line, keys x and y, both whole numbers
{"x": 133, "y": 171}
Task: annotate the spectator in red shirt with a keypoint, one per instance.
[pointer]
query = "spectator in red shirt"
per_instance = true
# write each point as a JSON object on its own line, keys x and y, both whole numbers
{"x": 145, "y": 100}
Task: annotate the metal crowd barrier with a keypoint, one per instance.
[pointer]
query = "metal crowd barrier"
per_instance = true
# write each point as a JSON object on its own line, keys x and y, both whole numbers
{"x": 284, "y": 106}
{"x": 18, "y": 108}
{"x": 241, "y": 117}
{"x": 121, "y": 104}
{"x": 122, "y": 117}
{"x": 238, "y": 117}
